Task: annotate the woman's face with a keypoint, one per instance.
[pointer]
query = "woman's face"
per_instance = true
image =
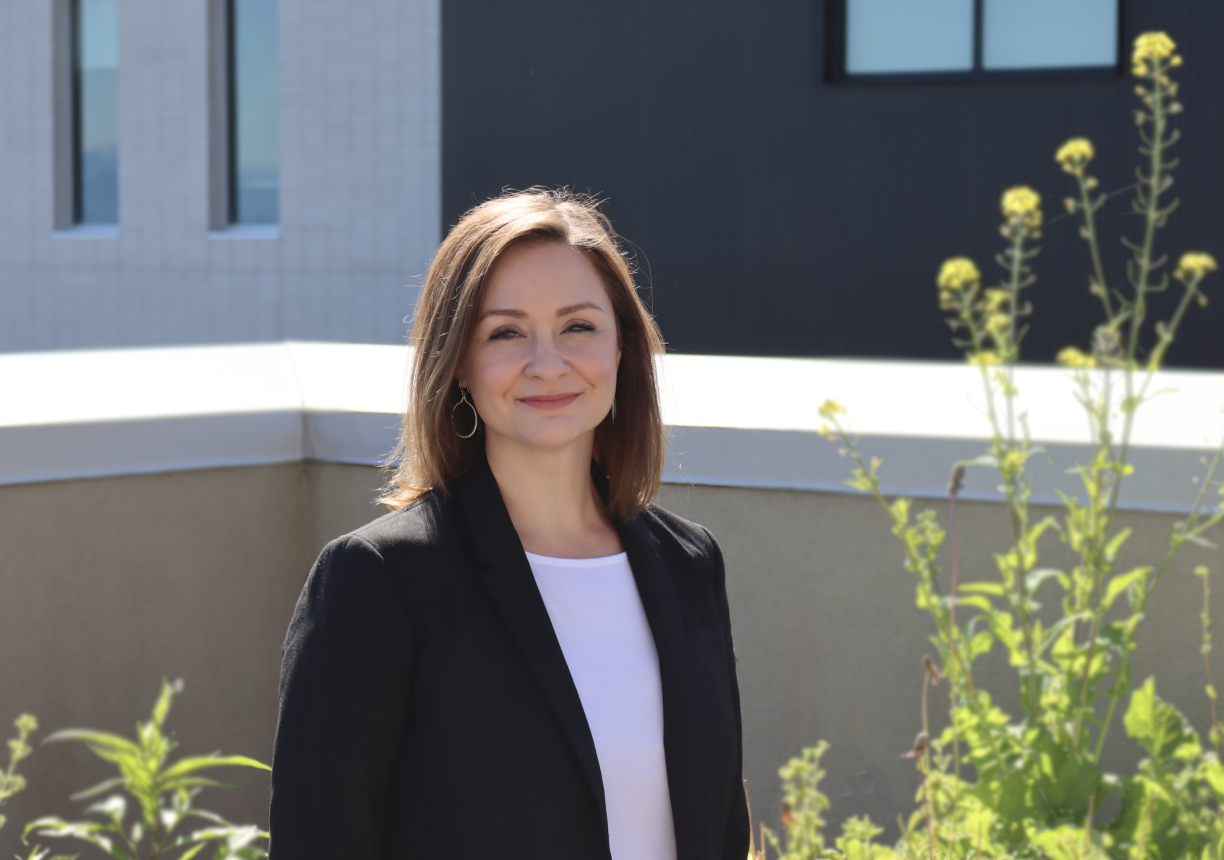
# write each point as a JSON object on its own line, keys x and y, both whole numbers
{"x": 541, "y": 365}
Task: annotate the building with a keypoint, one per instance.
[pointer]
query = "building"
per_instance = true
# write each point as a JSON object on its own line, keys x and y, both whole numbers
{"x": 170, "y": 242}
{"x": 790, "y": 174}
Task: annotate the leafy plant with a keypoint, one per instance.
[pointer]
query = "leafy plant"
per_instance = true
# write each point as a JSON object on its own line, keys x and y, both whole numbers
{"x": 1028, "y": 787}
{"x": 11, "y": 782}
{"x": 163, "y": 793}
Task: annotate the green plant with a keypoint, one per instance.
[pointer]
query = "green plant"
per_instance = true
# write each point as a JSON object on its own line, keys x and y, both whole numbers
{"x": 1028, "y": 787}
{"x": 11, "y": 782}
{"x": 163, "y": 792}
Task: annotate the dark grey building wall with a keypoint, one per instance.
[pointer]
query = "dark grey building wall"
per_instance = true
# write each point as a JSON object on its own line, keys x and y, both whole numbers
{"x": 778, "y": 214}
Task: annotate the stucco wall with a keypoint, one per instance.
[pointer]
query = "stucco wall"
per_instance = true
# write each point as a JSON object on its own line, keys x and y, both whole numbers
{"x": 110, "y": 584}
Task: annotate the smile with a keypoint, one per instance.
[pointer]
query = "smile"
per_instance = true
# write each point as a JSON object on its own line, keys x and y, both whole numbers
{"x": 549, "y": 401}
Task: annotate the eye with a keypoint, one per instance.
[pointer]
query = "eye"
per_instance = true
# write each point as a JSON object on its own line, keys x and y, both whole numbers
{"x": 580, "y": 326}
{"x": 503, "y": 333}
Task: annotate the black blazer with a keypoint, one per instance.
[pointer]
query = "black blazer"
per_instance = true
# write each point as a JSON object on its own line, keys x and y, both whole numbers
{"x": 426, "y": 709}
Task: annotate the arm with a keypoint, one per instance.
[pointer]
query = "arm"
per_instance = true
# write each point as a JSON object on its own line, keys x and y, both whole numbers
{"x": 736, "y": 836}
{"x": 344, "y": 697}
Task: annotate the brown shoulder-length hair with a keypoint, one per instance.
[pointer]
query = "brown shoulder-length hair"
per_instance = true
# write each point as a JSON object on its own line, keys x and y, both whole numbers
{"x": 628, "y": 450}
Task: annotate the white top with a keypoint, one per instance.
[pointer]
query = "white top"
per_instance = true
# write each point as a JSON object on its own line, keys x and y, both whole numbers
{"x": 598, "y": 618}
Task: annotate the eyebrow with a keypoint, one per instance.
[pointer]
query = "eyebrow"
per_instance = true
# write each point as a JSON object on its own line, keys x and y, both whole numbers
{"x": 561, "y": 312}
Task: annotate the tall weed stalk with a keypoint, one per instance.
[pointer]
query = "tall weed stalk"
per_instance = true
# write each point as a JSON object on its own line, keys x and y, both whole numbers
{"x": 994, "y": 786}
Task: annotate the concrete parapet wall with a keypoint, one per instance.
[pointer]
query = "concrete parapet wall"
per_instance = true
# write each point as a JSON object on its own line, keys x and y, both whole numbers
{"x": 112, "y": 583}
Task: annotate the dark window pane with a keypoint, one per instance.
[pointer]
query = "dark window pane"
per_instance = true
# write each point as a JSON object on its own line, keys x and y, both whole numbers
{"x": 97, "y": 115}
{"x": 909, "y": 36}
{"x": 255, "y": 106}
{"x": 1034, "y": 34}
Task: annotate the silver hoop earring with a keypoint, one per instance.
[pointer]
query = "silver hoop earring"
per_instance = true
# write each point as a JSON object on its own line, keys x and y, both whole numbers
{"x": 613, "y": 412}
{"x": 475, "y": 417}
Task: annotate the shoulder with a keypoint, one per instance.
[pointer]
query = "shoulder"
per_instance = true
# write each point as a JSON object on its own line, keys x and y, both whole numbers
{"x": 416, "y": 527}
{"x": 688, "y": 537}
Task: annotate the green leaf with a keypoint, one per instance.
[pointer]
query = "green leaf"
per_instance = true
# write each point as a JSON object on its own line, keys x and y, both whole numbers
{"x": 91, "y": 832}
{"x": 1212, "y": 772}
{"x": 976, "y": 602}
{"x": 1037, "y": 578}
{"x": 162, "y": 707}
{"x": 1121, "y": 583}
{"x": 1056, "y": 630}
{"x": 95, "y": 738}
{"x": 1115, "y": 543}
{"x": 114, "y": 808}
{"x": 104, "y": 786}
{"x": 980, "y": 644}
{"x": 1156, "y": 725}
{"x": 193, "y": 763}
{"x": 995, "y": 589}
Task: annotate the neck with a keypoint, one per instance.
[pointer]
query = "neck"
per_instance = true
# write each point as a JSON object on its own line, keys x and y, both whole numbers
{"x": 551, "y": 498}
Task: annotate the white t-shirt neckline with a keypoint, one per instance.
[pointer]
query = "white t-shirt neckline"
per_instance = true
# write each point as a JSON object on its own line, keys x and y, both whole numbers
{"x": 601, "y": 561}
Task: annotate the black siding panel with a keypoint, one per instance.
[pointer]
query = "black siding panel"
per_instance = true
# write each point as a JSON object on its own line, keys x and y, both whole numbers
{"x": 777, "y": 214}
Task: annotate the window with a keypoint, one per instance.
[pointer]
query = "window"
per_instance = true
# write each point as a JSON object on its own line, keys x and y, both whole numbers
{"x": 95, "y": 114}
{"x": 254, "y": 128}
{"x": 972, "y": 38}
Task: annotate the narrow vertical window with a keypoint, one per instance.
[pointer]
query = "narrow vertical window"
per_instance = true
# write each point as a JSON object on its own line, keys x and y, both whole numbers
{"x": 95, "y": 43}
{"x": 254, "y": 129}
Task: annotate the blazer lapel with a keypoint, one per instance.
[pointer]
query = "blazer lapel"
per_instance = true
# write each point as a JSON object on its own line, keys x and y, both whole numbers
{"x": 681, "y": 748}
{"x": 512, "y": 587}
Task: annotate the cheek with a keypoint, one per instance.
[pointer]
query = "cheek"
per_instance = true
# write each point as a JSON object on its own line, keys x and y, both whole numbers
{"x": 491, "y": 371}
{"x": 596, "y": 361}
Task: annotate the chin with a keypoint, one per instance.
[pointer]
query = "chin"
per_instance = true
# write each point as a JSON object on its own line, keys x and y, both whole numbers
{"x": 555, "y": 436}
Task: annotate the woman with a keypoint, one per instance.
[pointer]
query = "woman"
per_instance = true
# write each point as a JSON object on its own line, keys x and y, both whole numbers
{"x": 526, "y": 658}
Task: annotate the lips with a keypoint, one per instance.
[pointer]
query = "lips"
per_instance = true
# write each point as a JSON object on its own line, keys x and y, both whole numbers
{"x": 549, "y": 401}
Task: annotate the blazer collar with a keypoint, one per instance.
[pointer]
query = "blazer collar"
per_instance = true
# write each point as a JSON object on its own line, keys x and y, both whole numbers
{"x": 512, "y": 587}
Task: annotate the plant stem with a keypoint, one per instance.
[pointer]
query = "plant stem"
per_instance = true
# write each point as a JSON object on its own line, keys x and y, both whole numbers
{"x": 1151, "y": 213}
{"x": 953, "y": 492}
{"x": 1211, "y": 691}
{"x": 1093, "y": 244}
{"x": 1167, "y": 333}
{"x": 1147, "y": 825}
{"x": 917, "y": 564}
{"x": 926, "y": 767}
{"x": 1188, "y": 527}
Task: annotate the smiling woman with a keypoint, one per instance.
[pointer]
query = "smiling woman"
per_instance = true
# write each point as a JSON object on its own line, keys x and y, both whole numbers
{"x": 526, "y": 640}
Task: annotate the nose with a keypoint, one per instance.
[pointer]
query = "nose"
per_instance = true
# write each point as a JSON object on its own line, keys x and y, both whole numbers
{"x": 547, "y": 361}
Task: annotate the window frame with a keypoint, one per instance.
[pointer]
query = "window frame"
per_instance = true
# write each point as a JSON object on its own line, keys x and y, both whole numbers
{"x": 835, "y": 57}
{"x": 68, "y": 107}
{"x": 223, "y": 131}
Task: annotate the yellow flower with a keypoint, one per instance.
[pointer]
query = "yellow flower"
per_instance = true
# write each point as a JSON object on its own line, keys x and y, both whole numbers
{"x": 830, "y": 409}
{"x": 956, "y": 272}
{"x": 996, "y": 298}
{"x": 1013, "y": 461}
{"x": 1021, "y": 207}
{"x": 1075, "y": 154}
{"x": 985, "y": 358}
{"x": 1150, "y": 49}
{"x": 956, "y": 275}
{"x": 1194, "y": 265}
{"x": 1072, "y": 357}
{"x": 996, "y": 325}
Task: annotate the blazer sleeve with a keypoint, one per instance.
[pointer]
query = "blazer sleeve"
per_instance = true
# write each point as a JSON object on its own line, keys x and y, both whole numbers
{"x": 344, "y": 697}
{"x": 736, "y": 836}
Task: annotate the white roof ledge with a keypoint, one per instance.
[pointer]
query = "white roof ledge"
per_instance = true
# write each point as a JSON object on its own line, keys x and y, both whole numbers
{"x": 740, "y": 422}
